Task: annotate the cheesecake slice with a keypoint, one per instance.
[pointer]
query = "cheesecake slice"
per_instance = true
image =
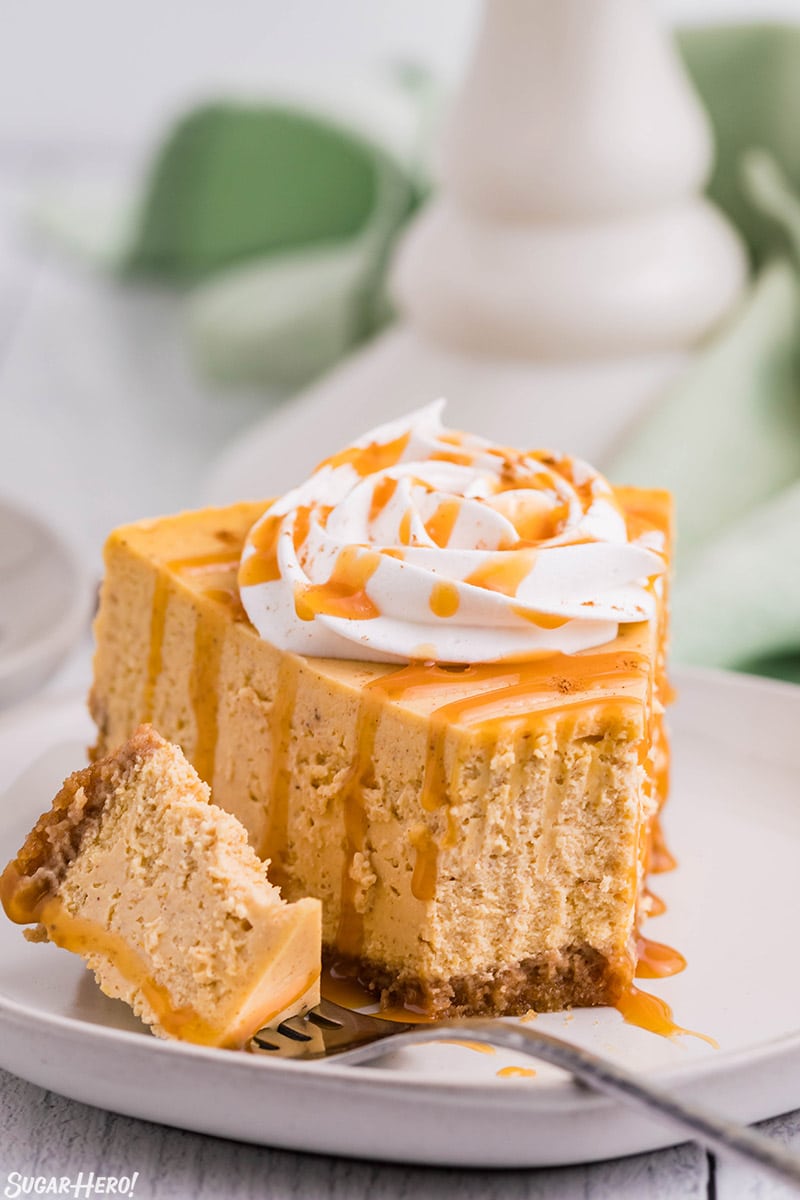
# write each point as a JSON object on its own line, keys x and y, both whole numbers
{"x": 478, "y": 835}
{"x": 160, "y": 893}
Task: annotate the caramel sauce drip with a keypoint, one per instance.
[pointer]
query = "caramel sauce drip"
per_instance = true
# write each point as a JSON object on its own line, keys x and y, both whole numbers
{"x": 423, "y": 879}
{"x": 404, "y": 530}
{"x": 20, "y": 896}
{"x": 525, "y": 682}
{"x": 302, "y": 525}
{"x": 532, "y": 523}
{"x": 478, "y": 1047}
{"x": 158, "y": 619}
{"x": 344, "y": 594}
{"x": 371, "y": 459}
{"x": 505, "y": 573}
{"x": 230, "y": 599}
{"x": 440, "y": 526}
{"x": 262, "y": 565}
{"x": 444, "y": 599}
{"x": 204, "y": 695}
{"x": 461, "y": 458}
{"x": 516, "y": 1073}
{"x": 656, "y": 907}
{"x": 657, "y": 961}
{"x": 540, "y": 619}
{"x": 275, "y": 839}
{"x": 221, "y": 567}
{"x": 350, "y": 934}
{"x": 511, "y": 706}
{"x": 381, "y": 495}
{"x": 653, "y": 1014}
{"x": 660, "y": 858}
{"x": 199, "y": 564}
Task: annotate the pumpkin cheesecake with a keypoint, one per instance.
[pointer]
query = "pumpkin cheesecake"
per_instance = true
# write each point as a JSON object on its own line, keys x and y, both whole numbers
{"x": 430, "y": 684}
{"x": 159, "y": 891}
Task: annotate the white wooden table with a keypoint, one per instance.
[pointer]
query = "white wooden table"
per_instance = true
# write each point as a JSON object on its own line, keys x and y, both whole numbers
{"x": 103, "y": 421}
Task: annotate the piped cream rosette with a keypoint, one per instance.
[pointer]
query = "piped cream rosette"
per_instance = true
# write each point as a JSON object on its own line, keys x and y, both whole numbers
{"x": 420, "y": 543}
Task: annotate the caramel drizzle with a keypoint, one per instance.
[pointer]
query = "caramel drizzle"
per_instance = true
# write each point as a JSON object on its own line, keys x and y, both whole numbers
{"x": 440, "y": 526}
{"x": 371, "y": 459}
{"x": 660, "y": 858}
{"x": 221, "y": 567}
{"x": 656, "y": 960}
{"x": 478, "y": 1047}
{"x": 381, "y": 495}
{"x": 344, "y": 594}
{"x": 158, "y": 619}
{"x": 504, "y": 573}
{"x": 275, "y": 841}
{"x": 424, "y": 876}
{"x": 199, "y": 564}
{"x": 654, "y": 905}
{"x": 540, "y": 619}
{"x": 360, "y": 777}
{"x": 262, "y": 565}
{"x": 654, "y": 1014}
{"x": 444, "y": 599}
{"x": 206, "y": 657}
{"x": 204, "y": 695}
{"x": 230, "y": 599}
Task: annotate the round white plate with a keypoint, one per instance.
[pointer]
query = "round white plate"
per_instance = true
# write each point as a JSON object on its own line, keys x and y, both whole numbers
{"x": 734, "y": 823}
{"x": 45, "y": 601}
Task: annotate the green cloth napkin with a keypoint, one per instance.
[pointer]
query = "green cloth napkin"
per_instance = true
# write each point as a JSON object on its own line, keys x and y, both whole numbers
{"x": 275, "y": 216}
{"x": 278, "y": 219}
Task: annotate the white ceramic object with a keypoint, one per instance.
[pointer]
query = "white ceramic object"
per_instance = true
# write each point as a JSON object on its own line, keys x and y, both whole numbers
{"x": 561, "y": 279}
{"x": 570, "y": 222}
{"x": 734, "y": 824}
{"x": 45, "y": 601}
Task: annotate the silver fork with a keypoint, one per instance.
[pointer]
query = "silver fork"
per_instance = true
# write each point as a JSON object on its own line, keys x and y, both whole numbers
{"x": 329, "y": 1031}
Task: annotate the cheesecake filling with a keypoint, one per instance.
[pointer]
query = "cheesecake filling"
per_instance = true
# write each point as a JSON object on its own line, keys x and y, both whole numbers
{"x": 421, "y": 543}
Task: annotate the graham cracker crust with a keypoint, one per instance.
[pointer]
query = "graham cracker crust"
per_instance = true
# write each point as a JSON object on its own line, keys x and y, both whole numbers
{"x": 55, "y": 840}
{"x": 575, "y": 977}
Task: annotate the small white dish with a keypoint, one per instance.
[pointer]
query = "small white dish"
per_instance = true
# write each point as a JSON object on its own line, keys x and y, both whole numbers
{"x": 45, "y": 601}
{"x": 733, "y": 822}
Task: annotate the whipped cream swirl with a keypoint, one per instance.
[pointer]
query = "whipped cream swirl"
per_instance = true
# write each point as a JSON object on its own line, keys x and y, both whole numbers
{"x": 419, "y": 543}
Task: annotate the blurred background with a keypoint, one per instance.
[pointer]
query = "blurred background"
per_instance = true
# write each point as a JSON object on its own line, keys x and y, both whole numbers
{"x": 99, "y": 76}
{"x": 142, "y": 347}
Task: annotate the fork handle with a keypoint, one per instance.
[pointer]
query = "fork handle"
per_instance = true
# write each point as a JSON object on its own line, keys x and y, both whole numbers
{"x": 715, "y": 1132}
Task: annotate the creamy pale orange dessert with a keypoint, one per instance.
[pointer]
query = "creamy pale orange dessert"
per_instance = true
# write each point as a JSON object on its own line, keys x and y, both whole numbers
{"x": 430, "y": 684}
{"x": 159, "y": 891}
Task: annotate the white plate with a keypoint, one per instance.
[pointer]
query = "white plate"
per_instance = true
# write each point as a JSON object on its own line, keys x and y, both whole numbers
{"x": 45, "y": 601}
{"x": 734, "y": 822}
